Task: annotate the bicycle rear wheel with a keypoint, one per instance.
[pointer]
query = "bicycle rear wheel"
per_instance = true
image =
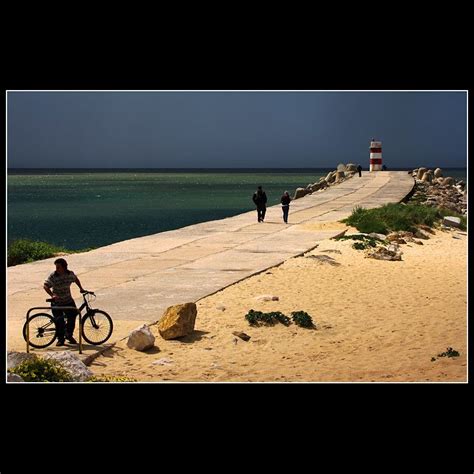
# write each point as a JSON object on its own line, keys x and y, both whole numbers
{"x": 97, "y": 327}
{"x": 42, "y": 330}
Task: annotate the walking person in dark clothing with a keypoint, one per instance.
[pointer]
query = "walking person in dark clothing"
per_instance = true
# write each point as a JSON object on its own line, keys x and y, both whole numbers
{"x": 57, "y": 285}
{"x": 285, "y": 205}
{"x": 260, "y": 200}
{"x": 359, "y": 169}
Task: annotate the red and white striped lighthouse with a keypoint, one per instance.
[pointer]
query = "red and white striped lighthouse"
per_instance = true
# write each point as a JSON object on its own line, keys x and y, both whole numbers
{"x": 375, "y": 156}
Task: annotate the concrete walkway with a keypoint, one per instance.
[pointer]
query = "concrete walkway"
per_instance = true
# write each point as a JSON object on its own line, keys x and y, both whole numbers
{"x": 137, "y": 279}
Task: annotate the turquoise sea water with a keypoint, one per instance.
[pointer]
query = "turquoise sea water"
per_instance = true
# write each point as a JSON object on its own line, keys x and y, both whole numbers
{"x": 91, "y": 208}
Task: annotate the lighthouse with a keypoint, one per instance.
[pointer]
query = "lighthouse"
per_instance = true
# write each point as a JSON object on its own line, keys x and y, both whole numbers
{"x": 375, "y": 155}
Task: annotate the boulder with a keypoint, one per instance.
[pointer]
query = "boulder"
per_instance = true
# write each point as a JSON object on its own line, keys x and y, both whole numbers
{"x": 339, "y": 176}
{"x": 71, "y": 363}
{"x": 440, "y": 180}
{"x": 16, "y": 358}
{"x": 448, "y": 181}
{"x": 331, "y": 176}
{"x": 420, "y": 173}
{"x": 420, "y": 235}
{"x": 14, "y": 378}
{"x": 341, "y": 167}
{"x": 141, "y": 339}
{"x": 438, "y": 173}
{"x": 426, "y": 228}
{"x": 451, "y": 221}
{"x": 351, "y": 167}
{"x": 374, "y": 235}
{"x": 300, "y": 192}
{"x": 427, "y": 177}
{"x": 178, "y": 321}
{"x": 315, "y": 187}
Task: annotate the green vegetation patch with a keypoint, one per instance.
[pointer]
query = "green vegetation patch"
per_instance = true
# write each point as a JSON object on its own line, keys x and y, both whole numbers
{"x": 450, "y": 352}
{"x": 41, "y": 370}
{"x": 392, "y": 217}
{"x": 363, "y": 241}
{"x": 302, "y": 319}
{"x": 257, "y": 318}
{"x": 26, "y": 251}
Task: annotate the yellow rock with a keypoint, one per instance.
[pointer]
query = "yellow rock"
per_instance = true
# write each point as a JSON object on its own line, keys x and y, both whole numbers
{"x": 177, "y": 321}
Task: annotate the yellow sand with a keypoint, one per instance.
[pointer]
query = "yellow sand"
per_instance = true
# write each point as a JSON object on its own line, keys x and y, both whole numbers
{"x": 376, "y": 321}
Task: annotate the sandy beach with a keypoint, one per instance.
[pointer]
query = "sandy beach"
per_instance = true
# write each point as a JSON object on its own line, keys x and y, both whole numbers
{"x": 375, "y": 321}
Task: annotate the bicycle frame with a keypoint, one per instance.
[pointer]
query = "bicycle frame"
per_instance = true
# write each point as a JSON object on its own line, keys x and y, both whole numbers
{"x": 78, "y": 310}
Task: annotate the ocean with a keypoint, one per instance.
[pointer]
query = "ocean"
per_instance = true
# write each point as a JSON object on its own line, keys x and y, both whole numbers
{"x": 86, "y": 208}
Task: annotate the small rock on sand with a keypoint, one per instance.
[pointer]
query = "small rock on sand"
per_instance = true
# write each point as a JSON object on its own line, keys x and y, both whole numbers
{"x": 267, "y": 298}
{"x": 242, "y": 335}
{"x": 141, "y": 338}
{"x": 452, "y": 221}
{"x": 162, "y": 361}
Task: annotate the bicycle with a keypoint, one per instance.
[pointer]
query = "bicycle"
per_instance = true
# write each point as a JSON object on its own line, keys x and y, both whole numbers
{"x": 95, "y": 326}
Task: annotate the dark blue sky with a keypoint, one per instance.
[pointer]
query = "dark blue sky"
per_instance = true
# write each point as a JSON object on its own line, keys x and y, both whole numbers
{"x": 234, "y": 129}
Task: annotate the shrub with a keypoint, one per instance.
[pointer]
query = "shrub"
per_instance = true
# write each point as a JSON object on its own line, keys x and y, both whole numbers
{"x": 392, "y": 217}
{"x": 450, "y": 352}
{"x": 26, "y": 251}
{"x": 303, "y": 319}
{"x": 41, "y": 370}
{"x": 257, "y": 318}
{"x": 364, "y": 241}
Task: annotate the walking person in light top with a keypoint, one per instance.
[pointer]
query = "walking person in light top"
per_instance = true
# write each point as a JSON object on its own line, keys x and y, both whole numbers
{"x": 285, "y": 205}
{"x": 58, "y": 286}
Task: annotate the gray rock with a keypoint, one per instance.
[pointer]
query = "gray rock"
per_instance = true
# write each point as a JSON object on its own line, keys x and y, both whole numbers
{"x": 438, "y": 173}
{"x": 341, "y": 167}
{"x": 16, "y": 358}
{"x": 14, "y": 378}
{"x": 427, "y": 177}
{"x": 300, "y": 192}
{"x": 71, "y": 363}
{"x": 351, "y": 167}
{"x": 421, "y": 235}
{"x": 451, "y": 221}
{"x": 331, "y": 176}
{"x": 141, "y": 339}
{"x": 339, "y": 176}
{"x": 448, "y": 181}
{"x": 420, "y": 173}
{"x": 374, "y": 235}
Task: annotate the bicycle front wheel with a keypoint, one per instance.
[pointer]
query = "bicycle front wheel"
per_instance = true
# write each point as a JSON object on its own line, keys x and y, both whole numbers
{"x": 97, "y": 327}
{"x": 42, "y": 330}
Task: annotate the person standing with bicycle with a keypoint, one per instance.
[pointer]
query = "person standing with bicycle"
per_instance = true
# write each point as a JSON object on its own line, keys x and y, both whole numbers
{"x": 58, "y": 286}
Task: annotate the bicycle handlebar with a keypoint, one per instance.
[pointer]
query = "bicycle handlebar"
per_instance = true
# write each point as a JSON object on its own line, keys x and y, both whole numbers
{"x": 84, "y": 293}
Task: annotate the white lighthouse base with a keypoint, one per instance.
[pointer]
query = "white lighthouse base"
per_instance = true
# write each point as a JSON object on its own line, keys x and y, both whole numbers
{"x": 375, "y": 167}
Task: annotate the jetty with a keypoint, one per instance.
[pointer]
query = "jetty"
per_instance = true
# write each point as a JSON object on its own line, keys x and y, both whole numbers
{"x": 138, "y": 279}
